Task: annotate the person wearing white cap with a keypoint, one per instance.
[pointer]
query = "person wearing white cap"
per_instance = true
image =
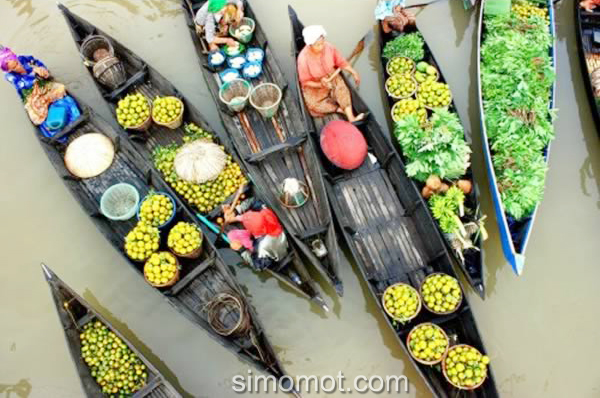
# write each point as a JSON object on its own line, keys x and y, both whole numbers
{"x": 317, "y": 61}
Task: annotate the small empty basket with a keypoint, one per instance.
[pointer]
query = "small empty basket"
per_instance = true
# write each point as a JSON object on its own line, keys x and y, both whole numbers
{"x": 265, "y": 98}
{"x": 120, "y": 202}
{"x": 91, "y": 44}
{"x": 110, "y": 72}
{"x": 235, "y": 94}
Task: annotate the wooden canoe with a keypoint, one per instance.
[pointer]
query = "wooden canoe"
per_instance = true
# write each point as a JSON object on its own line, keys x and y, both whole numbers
{"x": 472, "y": 263}
{"x": 202, "y": 279}
{"x": 587, "y": 27}
{"x": 284, "y": 151}
{"x": 142, "y": 77}
{"x": 514, "y": 234}
{"x": 74, "y": 312}
{"x": 390, "y": 233}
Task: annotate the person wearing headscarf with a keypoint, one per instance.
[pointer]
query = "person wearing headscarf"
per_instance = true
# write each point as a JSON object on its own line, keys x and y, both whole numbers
{"x": 317, "y": 61}
{"x": 393, "y": 16}
{"x": 21, "y": 71}
{"x": 214, "y": 19}
{"x": 263, "y": 236}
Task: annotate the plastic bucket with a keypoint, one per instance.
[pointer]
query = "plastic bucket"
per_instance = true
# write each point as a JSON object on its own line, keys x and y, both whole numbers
{"x": 265, "y": 98}
{"x": 235, "y": 94}
{"x": 171, "y": 217}
{"x": 243, "y": 37}
{"x": 119, "y": 202}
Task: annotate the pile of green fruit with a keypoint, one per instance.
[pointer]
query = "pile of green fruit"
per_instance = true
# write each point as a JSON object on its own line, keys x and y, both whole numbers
{"x": 166, "y": 109}
{"x": 434, "y": 94}
{"x": 156, "y": 209}
{"x": 402, "y": 302}
{"x": 401, "y": 86}
{"x": 160, "y": 268}
{"x": 465, "y": 367}
{"x": 142, "y": 241}
{"x": 524, "y": 10}
{"x": 426, "y": 73}
{"x": 116, "y": 368}
{"x": 441, "y": 293}
{"x": 400, "y": 65}
{"x": 133, "y": 110}
{"x": 193, "y": 132}
{"x": 407, "y": 107}
{"x": 207, "y": 196}
{"x": 184, "y": 238}
{"x": 427, "y": 342}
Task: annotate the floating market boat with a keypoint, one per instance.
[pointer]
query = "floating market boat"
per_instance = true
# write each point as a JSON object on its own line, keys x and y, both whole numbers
{"x": 390, "y": 233}
{"x": 203, "y": 281}
{"x": 142, "y": 78}
{"x": 276, "y": 149}
{"x": 468, "y": 250}
{"x": 74, "y": 314}
{"x": 516, "y": 231}
{"x": 588, "y": 44}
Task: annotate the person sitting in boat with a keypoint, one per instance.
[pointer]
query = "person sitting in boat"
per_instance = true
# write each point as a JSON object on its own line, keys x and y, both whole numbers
{"x": 324, "y": 94}
{"x": 41, "y": 95}
{"x": 393, "y": 16}
{"x": 214, "y": 19}
{"x": 262, "y": 236}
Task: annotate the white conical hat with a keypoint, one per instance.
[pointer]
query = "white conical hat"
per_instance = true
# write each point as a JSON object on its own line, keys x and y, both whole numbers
{"x": 89, "y": 155}
{"x": 199, "y": 161}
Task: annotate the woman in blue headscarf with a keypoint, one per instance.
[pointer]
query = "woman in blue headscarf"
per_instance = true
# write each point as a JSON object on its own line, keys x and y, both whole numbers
{"x": 393, "y": 16}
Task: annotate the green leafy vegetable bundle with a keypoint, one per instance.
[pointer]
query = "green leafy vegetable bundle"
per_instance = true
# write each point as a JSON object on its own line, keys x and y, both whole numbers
{"x": 437, "y": 149}
{"x": 517, "y": 75}
{"x": 409, "y": 45}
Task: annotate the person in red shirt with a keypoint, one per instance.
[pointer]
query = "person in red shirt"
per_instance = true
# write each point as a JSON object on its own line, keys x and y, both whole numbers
{"x": 316, "y": 63}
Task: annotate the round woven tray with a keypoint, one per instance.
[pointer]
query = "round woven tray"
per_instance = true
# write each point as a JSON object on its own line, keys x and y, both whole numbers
{"x": 425, "y": 303}
{"x": 430, "y": 363}
{"x": 405, "y": 97}
{"x": 387, "y": 66}
{"x": 169, "y": 283}
{"x": 176, "y": 123}
{"x": 419, "y": 306}
{"x": 448, "y": 378}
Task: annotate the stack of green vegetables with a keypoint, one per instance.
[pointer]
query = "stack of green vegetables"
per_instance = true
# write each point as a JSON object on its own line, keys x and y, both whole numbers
{"x": 436, "y": 152}
{"x": 517, "y": 76}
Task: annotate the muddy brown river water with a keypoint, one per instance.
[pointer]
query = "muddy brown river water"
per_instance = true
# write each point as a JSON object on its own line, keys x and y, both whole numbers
{"x": 541, "y": 329}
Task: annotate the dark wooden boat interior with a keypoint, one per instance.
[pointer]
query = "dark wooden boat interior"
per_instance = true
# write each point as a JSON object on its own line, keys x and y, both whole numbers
{"x": 143, "y": 78}
{"x": 391, "y": 235}
{"x": 473, "y": 265}
{"x": 283, "y": 152}
{"x": 588, "y": 46}
{"x": 202, "y": 279}
{"x": 74, "y": 312}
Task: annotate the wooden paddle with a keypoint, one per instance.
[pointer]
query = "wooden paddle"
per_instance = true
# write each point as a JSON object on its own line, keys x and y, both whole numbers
{"x": 360, "y": 46}
{"x": 234, "y": 203}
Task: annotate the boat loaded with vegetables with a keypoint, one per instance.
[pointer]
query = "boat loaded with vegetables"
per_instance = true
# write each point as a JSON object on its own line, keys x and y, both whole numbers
{"x": 587, "y": 16}
{"x": 266, "y": 127}
{"x": 106, "y": 362}
{"x": 402, "y": 257}
{"x": 199, "y": 166}
{"x": 431, "y": 140}
{"x": 516, "y": 89}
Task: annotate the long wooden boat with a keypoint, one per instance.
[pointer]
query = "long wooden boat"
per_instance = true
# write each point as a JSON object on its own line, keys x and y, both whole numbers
{"x": 201, "y": 280}
{"x": 587, "y": 26}
{"x": 283, "y": 151}
{"x": 74, "y": 312}
{"x": 514, "y": 234}
{"x": 389, "y": 231}
{"x": 470, "y": 260}
{"x": 145, "y": 79}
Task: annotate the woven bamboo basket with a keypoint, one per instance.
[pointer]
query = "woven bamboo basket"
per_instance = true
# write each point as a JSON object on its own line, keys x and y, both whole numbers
{"x": 444, "y": 371}
{"x": 430, "y": 363}
{"x": 431, "y": 309}
{"x": 401, "y": 97}
{"x": 193, "y": 255}
{"x": 110, "y": 72}
{"x": 169, "y": 283}
{"x": 419, "y": 306}
{"x": 91, "y": 44}
{"x": 176, "y": 123}
{"x": 145, "y": 125}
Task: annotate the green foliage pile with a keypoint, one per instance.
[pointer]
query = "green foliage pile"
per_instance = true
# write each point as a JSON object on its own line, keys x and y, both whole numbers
{"x": 517, "y": 76}
{"x": 410, "y": 45}
{"x": 445, "y": 209}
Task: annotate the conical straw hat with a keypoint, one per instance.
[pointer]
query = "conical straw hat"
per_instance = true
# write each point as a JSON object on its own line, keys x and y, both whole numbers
{"x": 199, "y": 161}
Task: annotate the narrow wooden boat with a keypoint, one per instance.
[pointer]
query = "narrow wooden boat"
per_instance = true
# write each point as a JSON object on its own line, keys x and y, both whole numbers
{"x": 145, "y": 79}
{"x": 389, "y": 231}
{"x": 74, "y": 312}
{"x": 470, "y": 260}
{"x": 283, "y": 151}
{"x": 514, "y": 234}
{"x": 202, "y": 280}
{"x": 588, "y": 27}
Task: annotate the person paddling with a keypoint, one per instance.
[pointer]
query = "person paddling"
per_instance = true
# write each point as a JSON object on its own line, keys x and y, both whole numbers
{"x": 317, "y": 62}
{"x": 393, "y": 16}
{"x": 214, "y": 19}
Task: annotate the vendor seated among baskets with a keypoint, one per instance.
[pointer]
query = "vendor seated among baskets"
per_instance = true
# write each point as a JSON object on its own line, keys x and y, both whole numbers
{"x": 317, "y": 62}
{"x": 214, "y": 19}
{"x": 43, "y": 98}
{"x": 262, "y": 235}
{"x": 393, "y": 16}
